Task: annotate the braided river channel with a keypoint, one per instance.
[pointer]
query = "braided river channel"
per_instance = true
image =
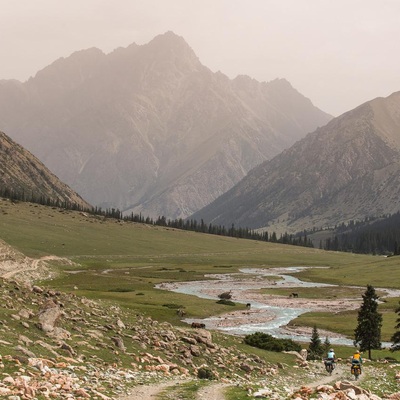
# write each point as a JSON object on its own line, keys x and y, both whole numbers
{"x": 266, "y": 313}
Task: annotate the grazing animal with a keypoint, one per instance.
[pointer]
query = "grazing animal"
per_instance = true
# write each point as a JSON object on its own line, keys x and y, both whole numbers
{"x": 198, "y": 325}
{"x": 248, "y": 306}
{"x": 294, "y": 294}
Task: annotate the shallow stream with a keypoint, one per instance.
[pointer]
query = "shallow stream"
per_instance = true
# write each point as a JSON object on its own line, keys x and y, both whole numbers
{"x": 276, "y": 318}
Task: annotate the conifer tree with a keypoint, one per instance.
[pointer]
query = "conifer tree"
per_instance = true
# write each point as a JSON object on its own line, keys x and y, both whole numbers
{"x": 327, "y": 344}
{"x": 367, "y": 335}
{"x": 315, "y": 348}
{"x": 396, "y": 337}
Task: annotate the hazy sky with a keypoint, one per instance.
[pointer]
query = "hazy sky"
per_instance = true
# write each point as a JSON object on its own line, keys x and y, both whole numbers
{"x": 339, "y": 53}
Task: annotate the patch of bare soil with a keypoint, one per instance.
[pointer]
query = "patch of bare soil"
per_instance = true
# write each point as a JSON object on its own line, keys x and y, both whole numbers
{"x": 148, "y": 392}
{"x": 215, "y": 391}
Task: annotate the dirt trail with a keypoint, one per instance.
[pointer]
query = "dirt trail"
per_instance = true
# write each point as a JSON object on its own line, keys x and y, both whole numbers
{"x": 215, "y": 391}
{"x": 148, "y": 392}
{"x": 15, "y": 265}
{"x": 340, "y": 373}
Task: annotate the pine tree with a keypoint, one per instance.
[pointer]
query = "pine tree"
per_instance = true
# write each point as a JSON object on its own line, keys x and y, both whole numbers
{"x": 315, "y": 348}
{"x": 396, "y": 337}
{"x": 327, "y": 344}
{"x": 368, "y": 332}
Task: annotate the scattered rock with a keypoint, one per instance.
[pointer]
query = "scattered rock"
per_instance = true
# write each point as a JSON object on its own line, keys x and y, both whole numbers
{"x": 48, "y": 316}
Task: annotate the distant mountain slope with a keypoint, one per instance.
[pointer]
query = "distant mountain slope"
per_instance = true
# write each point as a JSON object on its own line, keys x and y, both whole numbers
{"x": 149, "y": 128}
{"x": 21, "y": 172}
{"x": 349, "y": 169}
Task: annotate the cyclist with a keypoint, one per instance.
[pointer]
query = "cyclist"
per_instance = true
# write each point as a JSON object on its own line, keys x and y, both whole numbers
{"x": 331, "y": 355}
{"x": 330, "y": 361}
{"x": 356, "y": 359}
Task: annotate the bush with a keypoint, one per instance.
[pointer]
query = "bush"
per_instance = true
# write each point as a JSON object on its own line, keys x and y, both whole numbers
{"x": 226, "y": 302}
{"x": 205, "y": 373}
{"x": 267, "y": 342}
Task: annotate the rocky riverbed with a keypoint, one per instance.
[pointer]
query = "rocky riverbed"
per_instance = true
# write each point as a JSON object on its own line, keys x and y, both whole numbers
{"x": 268, "y": 313}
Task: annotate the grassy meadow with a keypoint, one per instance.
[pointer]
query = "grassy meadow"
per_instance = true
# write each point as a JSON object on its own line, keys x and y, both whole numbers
{"x": 122, "y": 261}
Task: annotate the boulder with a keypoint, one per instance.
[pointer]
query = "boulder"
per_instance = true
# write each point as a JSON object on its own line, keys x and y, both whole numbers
{"x": 345, "y": 385}
{"x": 48, "y": 316}
{"x": 118, "y": 342}
{"x": 195, "y": 350}
{"x": 325, "y": 389}
{"x": 37, "y": 289}
{"x": 189, "y": 340}
{"x": 246, "y": 368}
{"x": 120, "y": 324}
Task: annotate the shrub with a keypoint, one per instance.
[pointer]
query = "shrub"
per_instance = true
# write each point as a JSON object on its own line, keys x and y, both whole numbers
{"x": 121, "y": 290}
{"x": 267, "y": 342}
{"x": 226, "y": 302}
{"x": 205, "y": 373}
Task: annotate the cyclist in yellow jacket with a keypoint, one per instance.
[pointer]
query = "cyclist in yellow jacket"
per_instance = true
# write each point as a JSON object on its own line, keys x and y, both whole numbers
{"x": 356, "y": 359}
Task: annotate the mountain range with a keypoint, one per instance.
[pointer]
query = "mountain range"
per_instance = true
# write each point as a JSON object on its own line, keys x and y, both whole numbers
{"x": 149, "y": 128}
{"x": 21, "y": 172}
{"x": 346, "y": 170}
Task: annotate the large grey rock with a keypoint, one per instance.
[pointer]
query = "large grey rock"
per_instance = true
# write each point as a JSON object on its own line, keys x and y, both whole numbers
{"x": 48, "y": 316}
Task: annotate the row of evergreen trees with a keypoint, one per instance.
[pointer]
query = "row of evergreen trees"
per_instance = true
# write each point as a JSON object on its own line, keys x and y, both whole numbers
{"x": 378, "y": 237}
{"x": 31, "y": 197}
{"x": 243, "y": 233}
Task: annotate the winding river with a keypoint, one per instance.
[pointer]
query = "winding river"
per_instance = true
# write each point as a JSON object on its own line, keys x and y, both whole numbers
{"x": 271, "y": 319}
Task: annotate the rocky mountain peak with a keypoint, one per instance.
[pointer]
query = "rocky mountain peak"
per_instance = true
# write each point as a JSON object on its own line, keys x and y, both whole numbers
{"x": 65, "y": 74}
{"x": 171, "y": 50}
{"x": 387, "y": 118}
{"x": 78, "y": 63}
{"x": 150, "y": 129}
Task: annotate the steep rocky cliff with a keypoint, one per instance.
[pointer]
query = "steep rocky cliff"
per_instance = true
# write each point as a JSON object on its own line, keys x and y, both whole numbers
{"x": 21, "y": 172}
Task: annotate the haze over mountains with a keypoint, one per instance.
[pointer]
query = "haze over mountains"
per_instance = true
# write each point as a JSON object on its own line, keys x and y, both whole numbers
{"x": 149, "y": 128}
{"x": 348, "y": 169}
{"x": 24, "y": 173}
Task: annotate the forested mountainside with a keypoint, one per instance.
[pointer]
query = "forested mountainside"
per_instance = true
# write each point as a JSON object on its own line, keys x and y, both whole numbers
{"x": 376, "y": 236}
{"x": 149, "y": 128}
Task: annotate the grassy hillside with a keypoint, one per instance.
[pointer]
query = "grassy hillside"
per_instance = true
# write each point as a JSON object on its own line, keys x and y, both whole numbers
{"x": 122, "y": 262}
{"x": 37, "y": 230}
